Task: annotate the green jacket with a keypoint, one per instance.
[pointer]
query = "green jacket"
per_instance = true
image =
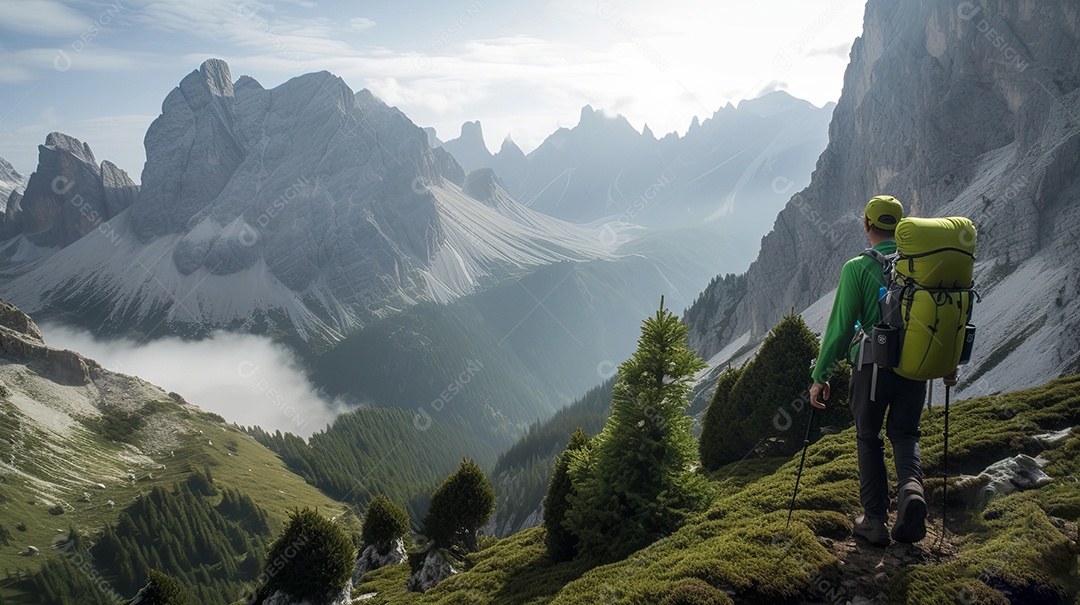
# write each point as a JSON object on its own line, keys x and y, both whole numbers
{"x": 856, "y": 301}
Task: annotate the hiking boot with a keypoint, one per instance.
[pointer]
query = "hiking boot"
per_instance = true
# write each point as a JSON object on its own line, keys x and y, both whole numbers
{"x": 910, "y": 524}
{"x": 873, "y": 530}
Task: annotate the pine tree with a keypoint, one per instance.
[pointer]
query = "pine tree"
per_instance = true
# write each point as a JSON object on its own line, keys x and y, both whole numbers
{"x": 459, "y": 506}
{"x": 634, "y": 485}
{"x": 163, "y": 589}
{"x": 769, "y": 400}
{"x": 561, "y": 543}
{"x": 384, "y": 523}
{"x": 312, "y": 559}
{"x": 717, "y": 444}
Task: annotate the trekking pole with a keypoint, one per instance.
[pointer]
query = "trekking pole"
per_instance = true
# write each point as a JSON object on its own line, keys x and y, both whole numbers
{"x": 798, "y": 476}
{"x": 945, "y": 472}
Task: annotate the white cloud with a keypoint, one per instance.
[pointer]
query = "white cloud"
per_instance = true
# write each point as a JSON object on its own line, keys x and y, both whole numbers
{"x": 29, "y": 63}
{"x": 47, "y": 18}
{"x": 360, "y": 24}
{"x": 248, "y": 379}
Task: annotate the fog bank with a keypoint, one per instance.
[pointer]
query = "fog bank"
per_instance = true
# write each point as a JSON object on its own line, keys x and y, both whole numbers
{"x": 248, "y": 379}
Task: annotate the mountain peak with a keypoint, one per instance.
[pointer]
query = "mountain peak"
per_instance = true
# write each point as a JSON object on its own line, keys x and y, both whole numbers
{"x": 510, "y": 147}
{"x": 469, "y": 149}
{"x": 472, "y": 130}
{"x": 63, "y": 142}
{"x": 367, "y": 99}
{"x": 217, "y": 75}
{"x": 772, "y": 103}
{"x": 483, "y": 185}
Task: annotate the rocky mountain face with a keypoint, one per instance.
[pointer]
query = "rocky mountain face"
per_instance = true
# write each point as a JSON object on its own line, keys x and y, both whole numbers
{"x": 720, "y": 173}
{"x": 10, "y": 182}
{"x": 469, "y": 148}
{"x": 307, "y": 207}
{"x": 67, "y": 196}
{"x": 968, "y": 109}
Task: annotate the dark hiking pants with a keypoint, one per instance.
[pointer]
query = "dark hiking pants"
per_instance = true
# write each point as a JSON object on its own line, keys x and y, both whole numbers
{"x": 898, "y": 404}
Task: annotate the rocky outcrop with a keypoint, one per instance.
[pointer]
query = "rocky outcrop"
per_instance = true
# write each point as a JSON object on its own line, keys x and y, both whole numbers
{"x": 469, "y": 148}
{"x": 371, "y": 559}
{"x": 434, "y": 569}
{"x": 67, "y": 196}
{"x": 20, "y": 341}
{"x": 956, "y": 109}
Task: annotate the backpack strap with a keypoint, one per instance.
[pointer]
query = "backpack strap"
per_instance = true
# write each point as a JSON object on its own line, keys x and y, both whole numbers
{"x": 887, "y": 261}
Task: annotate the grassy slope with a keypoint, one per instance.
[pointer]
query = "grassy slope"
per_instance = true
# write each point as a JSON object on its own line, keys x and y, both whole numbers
{"x": 1022, "y": 544}
{"x": 55, "y": 472}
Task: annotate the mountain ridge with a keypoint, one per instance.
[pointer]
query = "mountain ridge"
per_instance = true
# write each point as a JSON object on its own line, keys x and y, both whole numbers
{"x": 324, "y": 208}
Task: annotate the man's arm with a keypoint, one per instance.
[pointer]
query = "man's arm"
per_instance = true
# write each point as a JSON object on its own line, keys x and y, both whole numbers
{"x": 835, "y": 345}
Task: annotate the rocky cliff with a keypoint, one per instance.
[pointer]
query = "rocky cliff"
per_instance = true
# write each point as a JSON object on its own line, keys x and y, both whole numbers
{"x": 21, "y": 341}
{"x": 967, "y": 108}
{"x": 67, "y": 196}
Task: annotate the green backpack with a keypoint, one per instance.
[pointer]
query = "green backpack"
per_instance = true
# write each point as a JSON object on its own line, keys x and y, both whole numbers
{"x": 925, "y": 330}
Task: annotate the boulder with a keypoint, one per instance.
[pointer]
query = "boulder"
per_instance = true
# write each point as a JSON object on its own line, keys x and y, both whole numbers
{"x": 1053, "y": 438}
{"x": 1006, "y": 476}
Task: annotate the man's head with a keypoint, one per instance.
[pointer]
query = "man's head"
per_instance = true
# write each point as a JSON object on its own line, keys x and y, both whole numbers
{"x": 882, "y": 214}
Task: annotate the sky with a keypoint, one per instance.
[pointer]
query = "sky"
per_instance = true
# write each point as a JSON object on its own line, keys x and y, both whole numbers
{"x": 99, "y": 70}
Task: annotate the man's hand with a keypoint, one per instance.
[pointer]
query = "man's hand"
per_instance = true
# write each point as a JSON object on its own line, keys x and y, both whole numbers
{"x": 950, "y": 380}
{"x": 819, "y": 394}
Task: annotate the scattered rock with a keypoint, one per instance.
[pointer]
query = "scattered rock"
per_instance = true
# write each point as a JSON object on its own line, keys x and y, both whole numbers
{"x": 99, "y": 485}
{"x": 56, "y": 510}
{"x": 110, "y": 503}
{"x": 85, "y": 497}
{"x": 31, "y": 551}
{"x": 1054, "y": 438}
{"x": 1012, "y": 474}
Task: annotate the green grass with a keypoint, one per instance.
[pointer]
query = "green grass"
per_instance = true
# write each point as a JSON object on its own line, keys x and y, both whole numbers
{"x": 739, "y": 546}
{"x": 234, "y": 460}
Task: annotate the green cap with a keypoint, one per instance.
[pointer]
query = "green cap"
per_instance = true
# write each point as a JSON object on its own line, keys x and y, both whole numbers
{"x": 884, "y": 212}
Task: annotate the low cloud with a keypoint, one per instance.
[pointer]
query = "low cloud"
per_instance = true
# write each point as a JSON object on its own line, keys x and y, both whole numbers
{"x": 250, "y": 380}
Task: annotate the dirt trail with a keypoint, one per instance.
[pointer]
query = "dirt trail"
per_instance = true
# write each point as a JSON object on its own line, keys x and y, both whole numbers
{"x": 865, "y": 570}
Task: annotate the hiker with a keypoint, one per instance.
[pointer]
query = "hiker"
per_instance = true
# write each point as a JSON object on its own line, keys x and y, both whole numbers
{"x": 885, "y": 398}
